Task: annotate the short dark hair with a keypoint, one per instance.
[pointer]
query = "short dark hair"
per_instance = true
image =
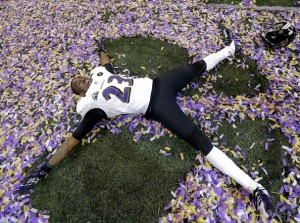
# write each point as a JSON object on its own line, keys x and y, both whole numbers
{"x": 72, "y": 87}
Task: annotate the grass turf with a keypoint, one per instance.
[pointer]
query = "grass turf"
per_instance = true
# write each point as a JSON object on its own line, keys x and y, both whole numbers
{"x": 113, "y": 180}
{"x": 119, "y": 180}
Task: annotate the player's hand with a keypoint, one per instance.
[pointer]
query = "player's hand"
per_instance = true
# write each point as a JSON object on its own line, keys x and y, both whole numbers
{"x": 29, "y": 182}
{"x": 99, "y": 45}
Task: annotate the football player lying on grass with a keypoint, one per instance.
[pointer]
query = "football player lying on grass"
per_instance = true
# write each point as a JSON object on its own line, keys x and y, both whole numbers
{"x": 106, "y": 95}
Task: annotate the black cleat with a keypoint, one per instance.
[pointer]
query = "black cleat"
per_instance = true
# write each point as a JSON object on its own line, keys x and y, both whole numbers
{"x": 263, "y": 202}
{"x": 229, "y": 38}
{"x": 32, "y": 180}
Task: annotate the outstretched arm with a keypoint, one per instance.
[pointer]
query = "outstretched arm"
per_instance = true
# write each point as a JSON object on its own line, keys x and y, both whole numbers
{"x": 84, "y": 127}
{"x": 62, "y": 152}
{"x": 70, "y": 143}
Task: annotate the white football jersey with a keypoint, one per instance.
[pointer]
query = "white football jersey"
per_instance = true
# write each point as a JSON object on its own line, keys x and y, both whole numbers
{"x": 115, "y": 94}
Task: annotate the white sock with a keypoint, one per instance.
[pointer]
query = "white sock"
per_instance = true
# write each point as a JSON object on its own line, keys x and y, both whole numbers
{"x": 222, "y": 162}
{"x": 213, "y": 59}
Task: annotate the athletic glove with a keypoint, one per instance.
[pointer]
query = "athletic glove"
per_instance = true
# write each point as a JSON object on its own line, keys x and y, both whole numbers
{"x": 29, "y": 182}
{"x": 100, "y": 47}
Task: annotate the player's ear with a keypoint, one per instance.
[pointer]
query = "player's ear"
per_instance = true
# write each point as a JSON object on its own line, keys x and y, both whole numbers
{"x": 74, "y": 90}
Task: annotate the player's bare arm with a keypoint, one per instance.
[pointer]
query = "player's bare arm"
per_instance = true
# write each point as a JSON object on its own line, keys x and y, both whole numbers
{"x": 104, "y": 59}
{"x": 63, "y": 151}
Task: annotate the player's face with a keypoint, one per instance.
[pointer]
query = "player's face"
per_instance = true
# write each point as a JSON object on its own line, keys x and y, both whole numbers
{"x": 81, "y": 84}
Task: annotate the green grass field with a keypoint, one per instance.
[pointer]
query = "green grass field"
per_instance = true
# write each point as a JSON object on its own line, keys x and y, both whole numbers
{"x": 119, "y": 180}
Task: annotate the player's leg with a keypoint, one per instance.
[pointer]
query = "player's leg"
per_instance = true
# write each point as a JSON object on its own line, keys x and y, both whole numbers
{"x": 231, "y": 48}
{"x": 166, "y": 111}
{"x": 213, "y": 59}
{"x": 262, "y": 198}
{"x": 172, "y": 117}
{"x": 178, "y": 78}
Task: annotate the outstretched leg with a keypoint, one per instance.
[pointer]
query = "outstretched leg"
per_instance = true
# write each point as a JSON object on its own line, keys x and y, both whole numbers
{"x": 262, "y": 199}
{"x": 172, "y": 117}
{"x": 231, "y": 48}
{"x": 178, "y": 78}
{"x": 166, "y": 111}
{"x": 213, "y": 59}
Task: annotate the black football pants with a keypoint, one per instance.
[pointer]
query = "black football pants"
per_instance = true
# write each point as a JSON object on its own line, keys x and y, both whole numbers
{"x": 163, "y": 106}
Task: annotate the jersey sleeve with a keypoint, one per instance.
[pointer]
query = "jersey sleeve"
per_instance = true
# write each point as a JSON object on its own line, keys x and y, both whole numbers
{"x": 85, "y": 105}
{"x": 88, "y": 122}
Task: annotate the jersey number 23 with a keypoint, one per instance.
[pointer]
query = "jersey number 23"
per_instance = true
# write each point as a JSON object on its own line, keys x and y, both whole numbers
{"x": 122, "y": 94}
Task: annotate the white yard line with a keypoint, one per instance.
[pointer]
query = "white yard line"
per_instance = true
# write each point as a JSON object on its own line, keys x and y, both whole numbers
{"x": 257, "y": 8}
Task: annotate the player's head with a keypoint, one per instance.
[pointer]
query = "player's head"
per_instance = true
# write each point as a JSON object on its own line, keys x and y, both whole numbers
{"x": 80, "y": 85}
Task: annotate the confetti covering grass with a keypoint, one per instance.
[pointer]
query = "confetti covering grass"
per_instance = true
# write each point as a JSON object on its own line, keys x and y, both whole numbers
{"x": 45, "y": 43}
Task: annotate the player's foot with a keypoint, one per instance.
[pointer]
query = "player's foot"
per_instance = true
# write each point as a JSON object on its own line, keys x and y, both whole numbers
{"x": 263, "y": 202}
{"x": 230, "y": 42}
